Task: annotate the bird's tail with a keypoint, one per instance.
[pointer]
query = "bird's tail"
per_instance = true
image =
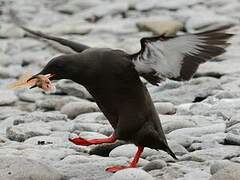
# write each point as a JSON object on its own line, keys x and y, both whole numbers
{"x": 169, "y": 151}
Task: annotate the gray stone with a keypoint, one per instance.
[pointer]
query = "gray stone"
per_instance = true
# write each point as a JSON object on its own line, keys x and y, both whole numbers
{"x": 16, "y": 168}
{"x": 12, "y": 71}
{"x": 232, "y": 139}
{"x": 52, "y": 102}
{"x": 39, "y": 116}
{"x": 73, "y": 89}
{"x": 129, "y": 150}
{"x": 24, "y": 131}
{"x": 220, "y": 164}
{"x": 198, "y": 131}
{"x": 105, "y": 129}
{"x": 231, "y": 172}
{"x": 156, "y": 164}
{"x": 104, "y": 9}
{"x": 216, "y": 21}
{"x": 10, "y": 30}
{"x": 178, "y": 149}
{"x": 93, "y": 117}
{"x": 171, "y": 123}
{"x": 7, "y": 97}
{"x": 131, "y": 173}
{"x": 184, "y": 140}
{"x": 165, "y": 108}
{"x": 30, "y": 97}
{"x": 188, "y": 91}
{"x": 73, "y": 109}
{"x": 218, "y": 153}
{"x": 8, "y": 111}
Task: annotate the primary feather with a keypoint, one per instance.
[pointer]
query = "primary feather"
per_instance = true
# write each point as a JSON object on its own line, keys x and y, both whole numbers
{"x": 178, "y": 58}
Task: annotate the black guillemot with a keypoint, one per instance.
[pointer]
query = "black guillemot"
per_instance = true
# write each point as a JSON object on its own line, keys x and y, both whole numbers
{"x": 112, "y": 77}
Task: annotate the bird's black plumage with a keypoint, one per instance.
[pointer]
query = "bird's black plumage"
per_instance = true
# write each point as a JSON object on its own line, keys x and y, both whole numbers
{"x": 112, "y": 78}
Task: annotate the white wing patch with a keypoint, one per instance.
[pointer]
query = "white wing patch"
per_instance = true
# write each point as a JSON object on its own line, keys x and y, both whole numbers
{"x": 166, "y": 57}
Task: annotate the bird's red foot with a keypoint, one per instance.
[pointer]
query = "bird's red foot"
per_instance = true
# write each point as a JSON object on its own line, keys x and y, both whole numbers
{"x": 80, "y": 141}
{"x": 85, "y": 142}
{"x": 114, "y": 169}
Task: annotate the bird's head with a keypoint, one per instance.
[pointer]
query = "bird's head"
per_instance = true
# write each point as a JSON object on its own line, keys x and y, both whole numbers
{"x": 57, "y": 68}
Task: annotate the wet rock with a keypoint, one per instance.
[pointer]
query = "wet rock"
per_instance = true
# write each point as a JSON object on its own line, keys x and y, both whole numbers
{"x": 7, "y": 97}
{"x": 21, "y": 168}
{"x": 73, "y": 109}
{"x": 231, "y": 172}
{"x": 131, "y": 173}
{"x": 156, "y": 164}
{"x": 22, "y": 132}
{"x": 166, "y": 28}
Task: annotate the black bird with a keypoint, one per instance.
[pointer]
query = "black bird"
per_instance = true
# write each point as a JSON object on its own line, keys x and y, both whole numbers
{"x": 112, "y": 77}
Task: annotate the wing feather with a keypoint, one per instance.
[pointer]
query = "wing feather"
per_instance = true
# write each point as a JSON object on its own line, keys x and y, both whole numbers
{"x": 178, "y": 58}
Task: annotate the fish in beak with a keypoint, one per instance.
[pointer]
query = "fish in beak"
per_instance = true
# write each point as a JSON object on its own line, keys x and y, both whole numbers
{"x": 38, "y": 80}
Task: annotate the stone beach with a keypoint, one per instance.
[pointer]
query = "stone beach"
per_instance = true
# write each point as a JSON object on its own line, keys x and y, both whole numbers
{"x": 200, "y": 117}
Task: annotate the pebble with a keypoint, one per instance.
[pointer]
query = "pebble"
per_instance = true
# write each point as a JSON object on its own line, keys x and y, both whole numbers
{"x": 200, "y": 117}
{"x": 73, "y": 109}
{"x": 54, "y": 102}
{"x": 129, "y": 150}
{"x": 22, "y": 168}
{"x": 220, "y": 164}
{"x": 73, "y": 89}
{"x": 232, "y": 139}
{"x": 131, "y": 173}
{"x": 165, "y": 108}
{"x": 7, "y": 97}
{"x": 230, "y": 172}
{"x": 155, "y": 164}
{"x": 24, "y": 131}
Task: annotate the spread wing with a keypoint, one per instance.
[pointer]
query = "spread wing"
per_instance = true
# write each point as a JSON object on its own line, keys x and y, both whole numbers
{"x": 178, "y": 57}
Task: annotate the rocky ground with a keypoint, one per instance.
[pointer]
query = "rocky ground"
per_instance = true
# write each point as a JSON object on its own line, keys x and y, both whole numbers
{"x": 34, "y": 127}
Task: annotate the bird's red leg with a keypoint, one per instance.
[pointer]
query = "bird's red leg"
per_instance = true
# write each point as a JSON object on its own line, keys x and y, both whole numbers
{"x": 85, "y": 142}
{"x": 133, "y": 164}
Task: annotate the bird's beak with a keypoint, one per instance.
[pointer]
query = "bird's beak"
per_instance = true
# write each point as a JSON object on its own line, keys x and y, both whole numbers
{"x": 40, "y": 79}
